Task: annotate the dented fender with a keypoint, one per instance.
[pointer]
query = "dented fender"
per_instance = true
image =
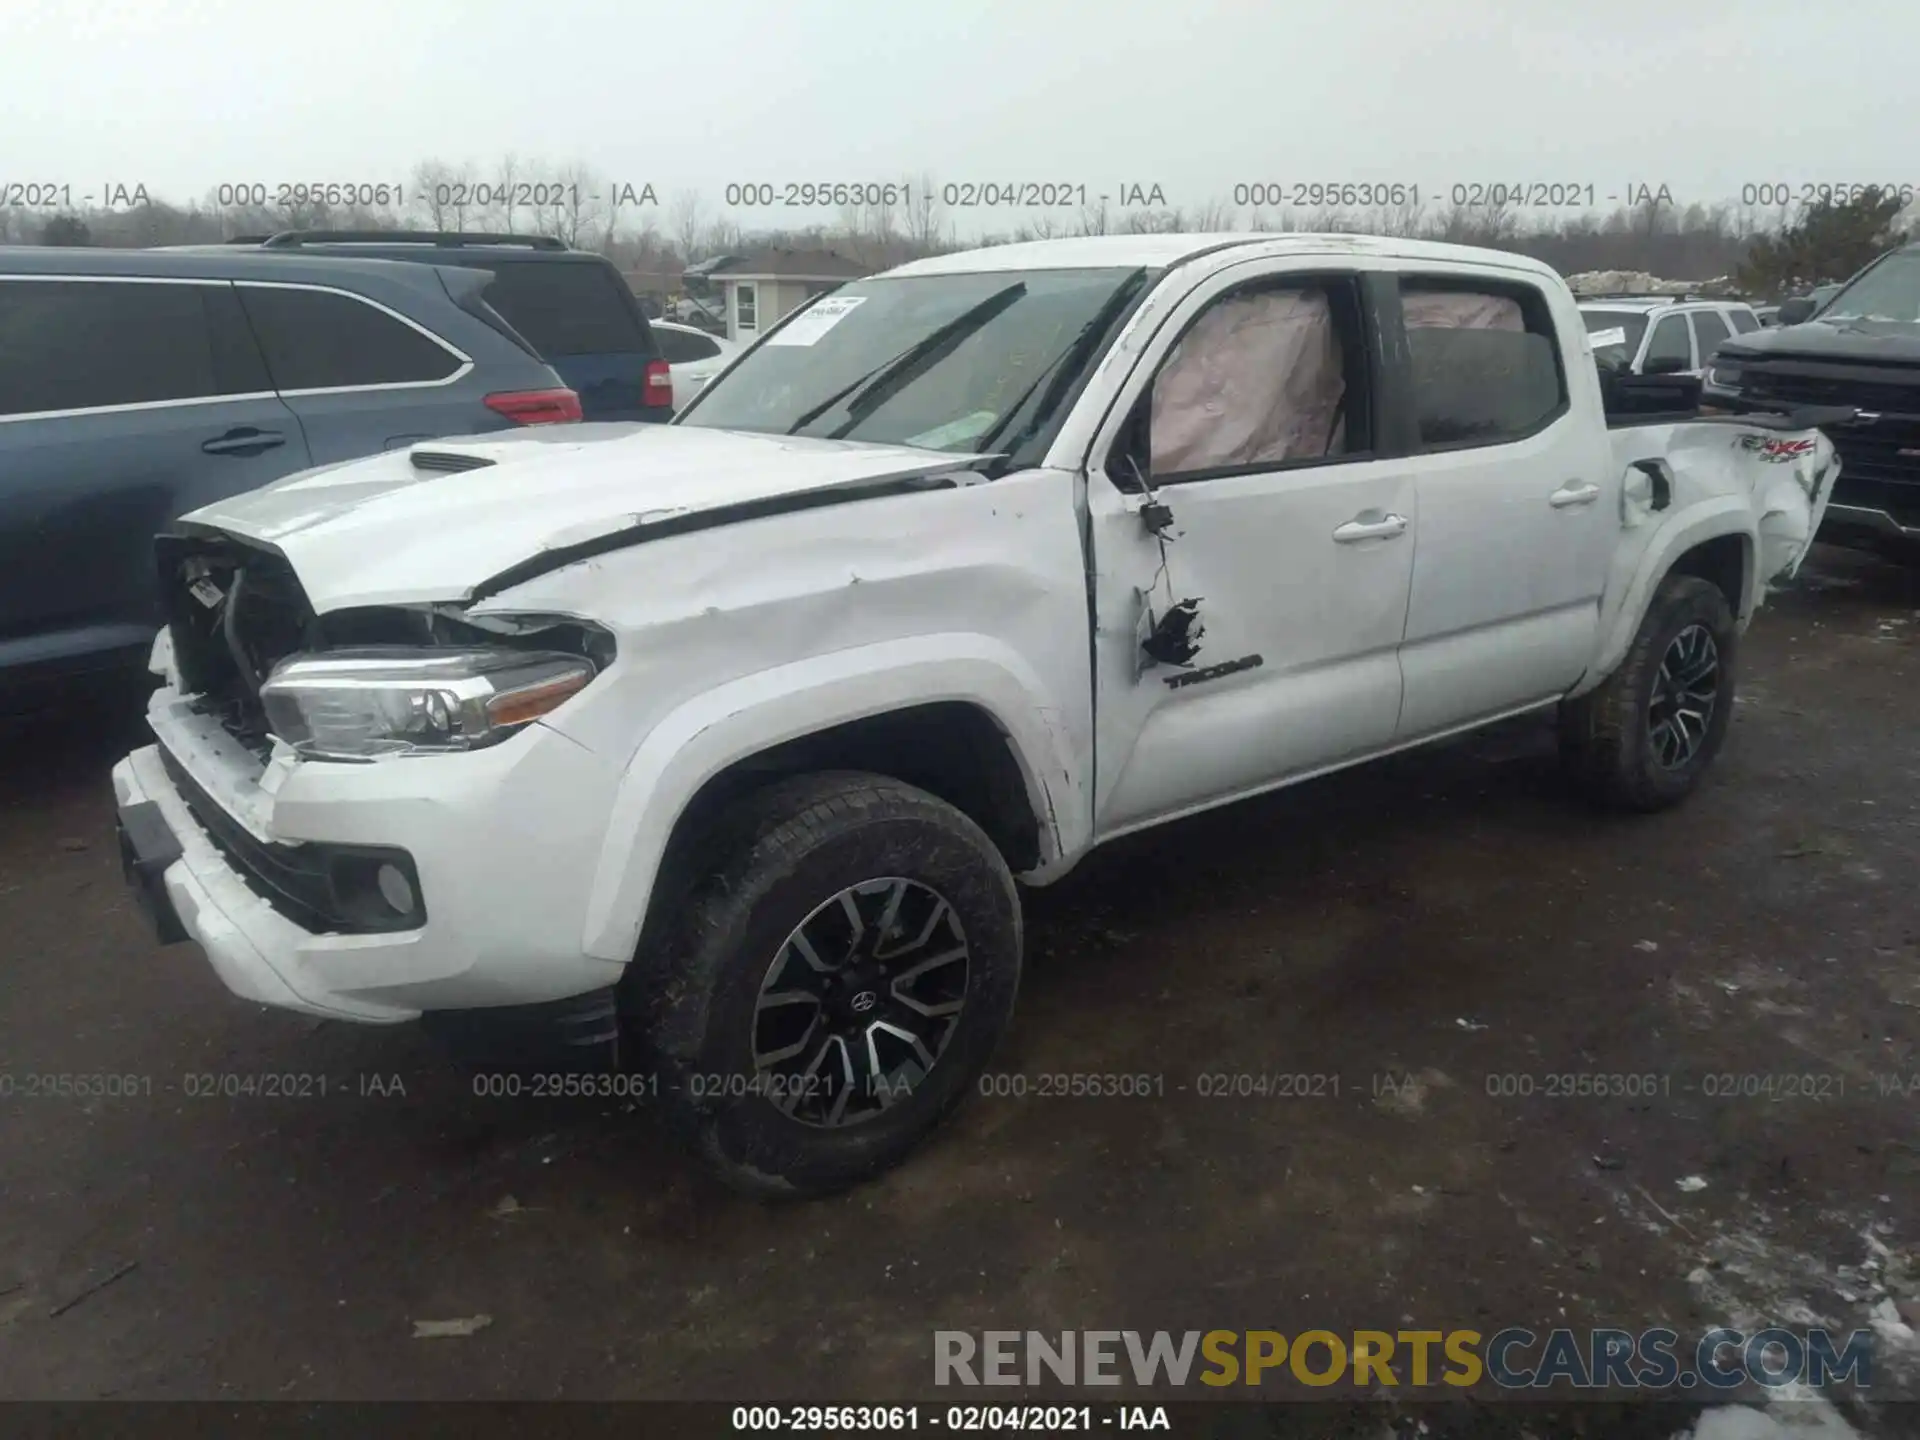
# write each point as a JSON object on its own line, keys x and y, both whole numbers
{"x": 1766, "y": 486}
{"x": 720, "y": 727}
{"x": 1638, "y": 571}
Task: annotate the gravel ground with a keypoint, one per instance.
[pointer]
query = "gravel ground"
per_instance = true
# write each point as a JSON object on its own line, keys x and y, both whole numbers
{"x": 1435, "y": 936}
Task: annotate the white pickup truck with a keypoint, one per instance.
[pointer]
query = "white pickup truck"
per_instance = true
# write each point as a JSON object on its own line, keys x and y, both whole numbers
{"x": 718, "y": 747}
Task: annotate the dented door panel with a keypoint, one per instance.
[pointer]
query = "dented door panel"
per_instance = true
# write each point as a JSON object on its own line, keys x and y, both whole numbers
{"x": 1310, "y": 625}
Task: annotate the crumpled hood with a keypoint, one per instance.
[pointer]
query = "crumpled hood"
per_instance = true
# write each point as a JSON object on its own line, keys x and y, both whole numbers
{"x": 389, "y": 530}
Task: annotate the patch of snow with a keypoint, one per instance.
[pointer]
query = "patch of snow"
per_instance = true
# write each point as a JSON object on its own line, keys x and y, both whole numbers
{"x": 1792, "y": 1412}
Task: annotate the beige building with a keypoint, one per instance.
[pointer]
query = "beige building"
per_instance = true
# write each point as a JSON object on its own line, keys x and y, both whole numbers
{"x": 760, "y": 288}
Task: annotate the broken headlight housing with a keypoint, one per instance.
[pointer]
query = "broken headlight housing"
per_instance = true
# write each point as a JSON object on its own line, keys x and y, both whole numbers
{"x": 1724, "y": 374}
{"x": 364, "y": 704}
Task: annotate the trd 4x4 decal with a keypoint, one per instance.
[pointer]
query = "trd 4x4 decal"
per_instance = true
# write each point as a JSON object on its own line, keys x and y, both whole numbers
{"x": 1773, "y": 450}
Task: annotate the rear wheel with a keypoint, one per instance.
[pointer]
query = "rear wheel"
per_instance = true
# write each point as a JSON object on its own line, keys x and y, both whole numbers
{"x": 833, "y": 986}
{"x": 1643, "y": 738}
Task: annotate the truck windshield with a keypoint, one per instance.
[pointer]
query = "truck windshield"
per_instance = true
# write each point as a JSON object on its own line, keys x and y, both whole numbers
{"x": 1615, "y": 335}
{"x": 966, "y": 363}
{"x": 1889, "y": 291}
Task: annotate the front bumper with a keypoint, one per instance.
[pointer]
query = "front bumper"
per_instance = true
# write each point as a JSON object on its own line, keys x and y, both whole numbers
{"x": 506, "y": 842}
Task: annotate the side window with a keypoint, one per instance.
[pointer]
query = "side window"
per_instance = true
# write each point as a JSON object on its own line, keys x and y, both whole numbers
{"x": 1709, "y": 330}
{"x": 83, "y": 344}
{"x": 1263, "y": 378}
{"x": 321, "y": 340}
{"x": 677, "y": 347}
{"x": 744, "y": 306}
{"x": 1744, "y": 321}
{"x": 1486, "y": 365}
{"x": 1669, "y": 342}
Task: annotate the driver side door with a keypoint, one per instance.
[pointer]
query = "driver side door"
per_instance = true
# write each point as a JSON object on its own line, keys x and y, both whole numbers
{"x": 1244, "y": 469}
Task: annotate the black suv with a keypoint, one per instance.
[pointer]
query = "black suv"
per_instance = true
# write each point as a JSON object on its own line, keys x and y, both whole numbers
{"x": 571, "y": 305}
{"x": 1863, "y": 350}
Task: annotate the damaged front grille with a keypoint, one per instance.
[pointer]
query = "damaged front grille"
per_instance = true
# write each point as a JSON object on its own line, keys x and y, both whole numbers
{"x": 234, "y": 611}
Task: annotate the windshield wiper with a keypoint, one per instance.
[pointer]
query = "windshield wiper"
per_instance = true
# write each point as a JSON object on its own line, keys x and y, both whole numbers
{"x": 872, "y": 389}
{"x": 1063, "y": 372}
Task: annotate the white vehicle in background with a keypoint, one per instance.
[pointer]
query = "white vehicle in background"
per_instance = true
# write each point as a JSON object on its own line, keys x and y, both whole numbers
{"x": 1662, "y": 334}
{"x": 717, "y": 751}
{"x": 693, "y": 356}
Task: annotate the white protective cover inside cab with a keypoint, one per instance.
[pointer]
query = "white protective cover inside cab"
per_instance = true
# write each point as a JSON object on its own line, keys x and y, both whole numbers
{"x": 1258, "y": 379}
{"x": 1459, "y": 310}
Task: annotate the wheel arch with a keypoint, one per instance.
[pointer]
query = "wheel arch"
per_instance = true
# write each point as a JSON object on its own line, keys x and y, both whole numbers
{"x": 963, "y": 718}
{"x": 1713, "y": 540}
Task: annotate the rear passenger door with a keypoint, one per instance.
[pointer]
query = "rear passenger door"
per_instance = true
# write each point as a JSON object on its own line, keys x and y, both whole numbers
{"x": 694, "y": 359}
{"x": 1709, "y": 333}
{"x": 124, "y": 402}
{"x": 361, "y": 378}
{"x": 1517, "y": 500}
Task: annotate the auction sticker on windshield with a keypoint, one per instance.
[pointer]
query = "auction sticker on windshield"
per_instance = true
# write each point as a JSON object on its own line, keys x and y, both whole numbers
{"x": 821, "y": 317}
{"x": 1600, "y": 339}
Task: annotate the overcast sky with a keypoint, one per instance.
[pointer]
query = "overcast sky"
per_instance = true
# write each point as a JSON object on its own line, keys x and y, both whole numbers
{"x": 1194, "y": 95}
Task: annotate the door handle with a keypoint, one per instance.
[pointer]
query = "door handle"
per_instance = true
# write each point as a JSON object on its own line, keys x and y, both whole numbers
{"x": 244, "y": 441}
{"x": 1362, "y": 528}
{"x": 1574, "y": 492}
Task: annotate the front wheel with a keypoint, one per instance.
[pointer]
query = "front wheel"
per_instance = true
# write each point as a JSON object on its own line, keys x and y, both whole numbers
{"x": 832, "y": 987}
{"x": 1642, "y": 739}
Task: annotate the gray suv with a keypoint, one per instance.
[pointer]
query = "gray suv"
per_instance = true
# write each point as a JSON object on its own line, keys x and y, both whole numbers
{"x": 136, "y": 385}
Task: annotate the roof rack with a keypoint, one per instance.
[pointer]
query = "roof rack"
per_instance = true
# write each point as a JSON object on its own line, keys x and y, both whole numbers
{"x": 292, "y": 239}
{"x": 1674, "y": 295}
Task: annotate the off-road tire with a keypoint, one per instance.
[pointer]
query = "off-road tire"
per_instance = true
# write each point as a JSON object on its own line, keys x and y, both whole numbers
{"x": 771, "y": 861}
{"x": 1607, "y": 747}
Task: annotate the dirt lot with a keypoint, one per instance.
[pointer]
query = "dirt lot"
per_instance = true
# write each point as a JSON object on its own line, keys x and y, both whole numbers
{"x": 1443, "y": 926}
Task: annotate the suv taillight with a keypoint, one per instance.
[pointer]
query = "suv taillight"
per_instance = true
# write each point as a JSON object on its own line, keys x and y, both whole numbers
{"x": 536, "y": 407}
{"x": 657, "y": 389}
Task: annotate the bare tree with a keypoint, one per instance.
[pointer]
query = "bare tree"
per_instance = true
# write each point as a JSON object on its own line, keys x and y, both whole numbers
{"x": 434, "y": 183}
{"x": 1095, "y": 219}
{"x": 575, "y": 203}
{"x": 926, "y": 216}
{"x": 1408, "y": 218}
{"x": 508, "y": 175}
{"x": 1212, "y": 216}
{"x": 687, "y": 224}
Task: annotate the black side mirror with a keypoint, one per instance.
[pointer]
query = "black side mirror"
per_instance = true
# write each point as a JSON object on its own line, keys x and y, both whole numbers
{"x": 1131, "y": 460}
{"x": 1665, "y": 365}
{"x": 1797, "y": 310}
{"x": 1650, "y": 394}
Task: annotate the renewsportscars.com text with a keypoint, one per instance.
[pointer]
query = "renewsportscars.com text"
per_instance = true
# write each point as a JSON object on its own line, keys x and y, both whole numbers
{"x": 1513, "y": 1359}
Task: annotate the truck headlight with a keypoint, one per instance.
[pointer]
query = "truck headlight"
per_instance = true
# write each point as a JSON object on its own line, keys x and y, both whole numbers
{"x": 1724, "y": 374}
{"x": 363, "y": 704}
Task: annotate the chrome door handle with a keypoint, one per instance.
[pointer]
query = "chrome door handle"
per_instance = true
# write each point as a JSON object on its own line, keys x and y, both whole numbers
{"x": 1358, "y": 528}
{"x": 1574, "y": 492}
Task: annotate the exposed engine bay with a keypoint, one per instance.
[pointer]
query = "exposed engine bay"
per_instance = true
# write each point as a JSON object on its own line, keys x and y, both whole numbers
{"x": 234, "y": 611}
